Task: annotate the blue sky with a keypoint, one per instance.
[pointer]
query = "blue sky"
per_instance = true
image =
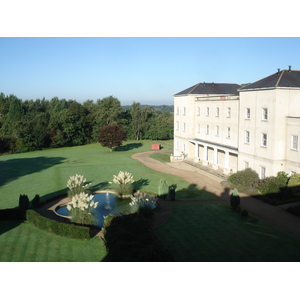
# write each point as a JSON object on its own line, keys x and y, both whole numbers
{"x": 142, "y": 69}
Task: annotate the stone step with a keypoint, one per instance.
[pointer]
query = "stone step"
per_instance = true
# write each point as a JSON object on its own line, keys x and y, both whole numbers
{"x": 204, "y": 168}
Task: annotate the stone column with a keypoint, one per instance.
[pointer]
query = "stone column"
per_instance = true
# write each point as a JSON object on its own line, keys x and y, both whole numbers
{"x": 196, "y": 158}
{"x": 205, "y": 161}
{"x": 227, "y": 160}
{"x": 215, "y": 160}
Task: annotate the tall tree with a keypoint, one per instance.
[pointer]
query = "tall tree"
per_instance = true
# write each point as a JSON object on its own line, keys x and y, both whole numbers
{"x": 139, "y": 118}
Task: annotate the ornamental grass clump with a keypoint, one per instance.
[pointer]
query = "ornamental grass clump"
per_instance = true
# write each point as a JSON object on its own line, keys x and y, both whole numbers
{"x": 76, "y": 185}
{"x": 123, "y": 182}
{"x": 144, "y": 204}
{"x": 82, "y": 208}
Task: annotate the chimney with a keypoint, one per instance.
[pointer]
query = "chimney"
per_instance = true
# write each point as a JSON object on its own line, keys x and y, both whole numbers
{"x": 290, "y": 68}
{"x": 278, "y": 71}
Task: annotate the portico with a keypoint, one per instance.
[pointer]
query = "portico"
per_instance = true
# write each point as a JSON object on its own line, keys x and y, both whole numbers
{"x": 216, "y": 155}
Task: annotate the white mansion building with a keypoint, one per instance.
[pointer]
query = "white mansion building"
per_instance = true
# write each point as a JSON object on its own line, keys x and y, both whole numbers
{"x": 231, "y": 127}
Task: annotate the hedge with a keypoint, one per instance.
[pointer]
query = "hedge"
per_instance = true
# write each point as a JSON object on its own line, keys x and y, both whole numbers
{"x": 62, "y": 229}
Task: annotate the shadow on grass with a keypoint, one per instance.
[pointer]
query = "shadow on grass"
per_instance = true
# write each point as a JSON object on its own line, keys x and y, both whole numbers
{"x": 138, "y": 184}
{"x": 128, "y": 147}
{"x": 15, "y": 168}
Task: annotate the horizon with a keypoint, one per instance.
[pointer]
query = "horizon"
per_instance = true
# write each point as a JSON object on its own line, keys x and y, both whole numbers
{"x": 148, "y": 70}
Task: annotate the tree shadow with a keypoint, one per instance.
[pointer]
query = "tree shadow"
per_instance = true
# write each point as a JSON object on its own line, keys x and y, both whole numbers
{"x": 138, "y": 184}
{"x": 100, "y": 186}
{"x": 15, "y": 168}
{"x": 128, "y": 147}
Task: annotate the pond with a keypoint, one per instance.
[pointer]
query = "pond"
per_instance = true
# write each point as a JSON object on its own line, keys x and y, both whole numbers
{"x": 108, "y": 203}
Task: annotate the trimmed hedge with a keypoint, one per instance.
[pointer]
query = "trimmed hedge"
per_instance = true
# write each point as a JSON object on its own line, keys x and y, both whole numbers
{"x": 12, "y": 214}
{"x": 129, "y": 239}
{"x": 62, "y": 229}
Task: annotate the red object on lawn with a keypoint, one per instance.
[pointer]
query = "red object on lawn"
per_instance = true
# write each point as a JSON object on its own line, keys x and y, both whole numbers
{"x": 155, "y": 146}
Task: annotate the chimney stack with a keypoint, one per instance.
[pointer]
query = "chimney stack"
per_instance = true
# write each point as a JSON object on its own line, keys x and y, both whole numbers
{"x": 290, "y": 68}
{"x": 278, "y": 71}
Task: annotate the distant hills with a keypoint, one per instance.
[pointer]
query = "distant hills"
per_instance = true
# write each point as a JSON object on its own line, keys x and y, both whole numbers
{"x": 161, "y": 108}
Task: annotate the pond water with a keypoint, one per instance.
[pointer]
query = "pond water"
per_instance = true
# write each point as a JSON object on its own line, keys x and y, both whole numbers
{"x": 108, "y": 203}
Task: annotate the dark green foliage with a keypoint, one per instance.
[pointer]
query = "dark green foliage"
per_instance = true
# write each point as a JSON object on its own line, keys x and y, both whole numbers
{"x": 129, "y": 239}
{"x": 172, "y": 192}
{"x": 62, "y": 229}
{"x": 243, "y": 180}
{"x": 271, "y": 185}
{"x": 12, "y": 214}
{"x": 294, "y": 183}
{"x": 146, "y": 210}
{"x": 24, "y": 202}
{"x": 36, "y": 201}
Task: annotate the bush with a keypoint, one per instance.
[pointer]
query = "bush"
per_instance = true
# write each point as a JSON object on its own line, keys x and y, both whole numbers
{"x": 243, "y": 180}
{"x": 163, "y": 188}
{"x": 24, "y": 202}
{"x": 146, "y": 210}
{"x": 294, "y": 183}
{"x": 36, "y": 201}
{"x": 123, "y": 182}
{"x": 172, "y": 192}
{"x": 62, "y": 229}
{"x": 271, "y": 185}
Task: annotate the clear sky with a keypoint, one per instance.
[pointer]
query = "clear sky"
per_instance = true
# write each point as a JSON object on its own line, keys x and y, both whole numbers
{"x": 149, "y": 70}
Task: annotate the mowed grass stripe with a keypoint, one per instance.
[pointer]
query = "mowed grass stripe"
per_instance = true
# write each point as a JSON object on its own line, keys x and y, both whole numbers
{"x": 214, "y": 232}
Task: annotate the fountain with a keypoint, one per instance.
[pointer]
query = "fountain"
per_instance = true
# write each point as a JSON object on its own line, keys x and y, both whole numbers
{"x": 108, "y": 203}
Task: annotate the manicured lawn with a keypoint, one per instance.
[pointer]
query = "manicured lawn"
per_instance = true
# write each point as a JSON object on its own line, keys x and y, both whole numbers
{"x": 23, "y": 242}
{"x": 46, "y": 172}
{"x": 163, "y": 157}
{"x": 215, "y": 233}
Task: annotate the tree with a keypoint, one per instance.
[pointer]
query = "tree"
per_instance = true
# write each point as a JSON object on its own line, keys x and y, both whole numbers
{"x": 139, "y": 118}
{"x": 111, "y": 136}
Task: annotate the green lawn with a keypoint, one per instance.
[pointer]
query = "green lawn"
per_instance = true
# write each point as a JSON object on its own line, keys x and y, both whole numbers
{"x": 216, "y": 233}
{"x": 23, "y": 242}
{"x": 46, "y": 172}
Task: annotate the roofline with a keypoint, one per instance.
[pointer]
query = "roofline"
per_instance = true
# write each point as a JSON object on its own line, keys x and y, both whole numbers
{"x": 270, "y": 88}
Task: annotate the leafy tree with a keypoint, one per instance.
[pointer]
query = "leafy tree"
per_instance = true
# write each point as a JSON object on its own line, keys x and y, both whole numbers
{"x": 112, "y": 136}
{"x": 139, "y": 118}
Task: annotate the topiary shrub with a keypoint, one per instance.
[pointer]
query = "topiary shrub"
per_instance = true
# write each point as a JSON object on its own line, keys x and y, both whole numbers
{"x": 235, "y": 199}
{"x": 244, "y": 179}
{"x": 163, "y": 188}
{"x": 172, "y": 192}
{"x": 24, "y": 202}
{"x": 36, "y": 201}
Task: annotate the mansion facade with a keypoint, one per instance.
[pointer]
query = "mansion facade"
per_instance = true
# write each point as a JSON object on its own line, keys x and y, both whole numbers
{"x": 231, "y": 128}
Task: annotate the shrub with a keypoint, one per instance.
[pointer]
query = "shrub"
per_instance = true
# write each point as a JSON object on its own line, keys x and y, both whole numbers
{"x": 294, "y": 183}
{"x": 243, "y": 179}
{"x": 36, "y": 201}
{"x": 123, "y": 182}
{"x": 163, "y": 188}
{"x": 144, "y": 204}
{"x": 271, "y": 185}
{"x": 284, "y": 177}
{"x": 172, "y": 192}
{"x": 62, "y": 229}
{"x": 234, "y": 199}
{"x": 24, "y": 202}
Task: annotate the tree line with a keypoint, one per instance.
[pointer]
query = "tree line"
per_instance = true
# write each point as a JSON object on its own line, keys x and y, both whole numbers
{"x": 34, "y": 125}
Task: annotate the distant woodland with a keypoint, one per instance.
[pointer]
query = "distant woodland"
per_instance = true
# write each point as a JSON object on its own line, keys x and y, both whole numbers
{"x": 34, "y": 125}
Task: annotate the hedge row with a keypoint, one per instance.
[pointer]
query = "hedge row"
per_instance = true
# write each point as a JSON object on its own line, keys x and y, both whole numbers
{"x": 129, "y": 239}
{"x": 62, "y": 229}
{"x": 12, "y": 214}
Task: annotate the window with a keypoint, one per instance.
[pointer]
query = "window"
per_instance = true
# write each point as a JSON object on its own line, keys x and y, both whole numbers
{"x": 247, "y": 136}
{"x": 198, "y": 111}
{"x": 207, "y": 129}
{"x": 183, "y": 127}
{"x": 264, "y": 116}
{"x": 246, "y": 164}
{"x": 262, "y": 172}
{"x": 294, "y": 145}
{"x": 207, "y": 111}
{"x": 228, "y": 132}
{"x": 217, "y": 130}
{"x": 228, "y": 112}
{"x": 198, "y": 127}
{"x": 184, "y": 111}
{"x": 217, "y": 112}
{"x": 247, "y": 113}
{"x": 177, "y": 110}
{"x": 177, "y": 125}
{"x": 264, "y": 138}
